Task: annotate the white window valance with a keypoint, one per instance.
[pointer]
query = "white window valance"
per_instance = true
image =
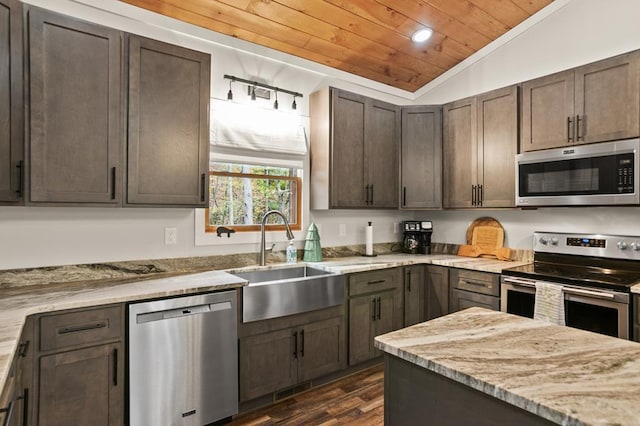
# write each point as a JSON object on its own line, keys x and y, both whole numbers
{"x": 244, "y": 127}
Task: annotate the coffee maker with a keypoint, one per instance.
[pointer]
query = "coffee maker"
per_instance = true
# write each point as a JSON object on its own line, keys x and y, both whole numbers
{"x": 417, "y": 236}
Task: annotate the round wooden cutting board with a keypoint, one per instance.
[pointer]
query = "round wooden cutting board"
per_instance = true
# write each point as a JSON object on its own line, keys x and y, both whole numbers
{"x": 481, "y": 221}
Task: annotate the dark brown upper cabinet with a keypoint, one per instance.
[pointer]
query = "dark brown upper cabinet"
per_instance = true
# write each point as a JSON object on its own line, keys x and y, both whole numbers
{"x": 11, "y": 102}
{"x": 75, "y": 125}
{"x": 421, "y": 158}
{"x": 168, "y": 124}
{"x": 354, "y": 151}
{"x": 480, "y": 142}
{"x": 597, "y": 102}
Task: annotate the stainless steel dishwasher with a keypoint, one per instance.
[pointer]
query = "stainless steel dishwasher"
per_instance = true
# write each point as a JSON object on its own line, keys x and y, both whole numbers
{"x": 183, "y": 360}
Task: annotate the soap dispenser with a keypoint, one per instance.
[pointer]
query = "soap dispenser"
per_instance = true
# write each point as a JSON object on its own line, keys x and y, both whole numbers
{"x": 292, "y": 253}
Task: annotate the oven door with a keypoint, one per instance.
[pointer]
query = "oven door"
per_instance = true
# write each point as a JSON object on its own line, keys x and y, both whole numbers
{"x": 592, "y": 309}
{"x": 598, "y": 174}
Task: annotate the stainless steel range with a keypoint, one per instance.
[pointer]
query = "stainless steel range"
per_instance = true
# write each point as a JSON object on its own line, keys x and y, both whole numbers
{"x": 596, "y": 272}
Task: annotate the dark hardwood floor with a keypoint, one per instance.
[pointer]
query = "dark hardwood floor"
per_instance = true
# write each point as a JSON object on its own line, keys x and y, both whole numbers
{"x": 356, "y": 399}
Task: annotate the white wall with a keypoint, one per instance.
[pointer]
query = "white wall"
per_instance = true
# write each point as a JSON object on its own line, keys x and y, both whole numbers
{"x": 576, "y": 33}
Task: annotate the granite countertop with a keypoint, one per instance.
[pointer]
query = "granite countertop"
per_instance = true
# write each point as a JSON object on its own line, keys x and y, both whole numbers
{"x": 32, "y": 291}
{"x": 565, "y": 375}
{"x": 16, "y": 303}
{"x": 636, "y": 289}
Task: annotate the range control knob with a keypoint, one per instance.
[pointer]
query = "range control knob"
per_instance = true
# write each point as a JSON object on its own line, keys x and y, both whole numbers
{"x": 544, "y": 241}
{"x": 622, "y": 245}
{"x": 554, "y": 241}
{"x": 635, "y": 245}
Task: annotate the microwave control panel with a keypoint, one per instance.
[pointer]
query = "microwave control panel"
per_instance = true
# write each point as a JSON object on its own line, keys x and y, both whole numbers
{"x": 625, "y": 174}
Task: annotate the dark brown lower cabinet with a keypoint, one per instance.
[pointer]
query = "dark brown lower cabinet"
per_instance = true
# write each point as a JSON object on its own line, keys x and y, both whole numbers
{"x": 78, "y": 367}
{"x": 414, "y": 295}
{"x": 437, "y": 291}
{"x": 277, "y": 360}
{"x": 81, "y": 387}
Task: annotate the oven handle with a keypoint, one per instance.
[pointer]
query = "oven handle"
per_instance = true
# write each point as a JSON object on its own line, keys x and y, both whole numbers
{"x": 567, "y": 290}
{"x": 580, "y": 292}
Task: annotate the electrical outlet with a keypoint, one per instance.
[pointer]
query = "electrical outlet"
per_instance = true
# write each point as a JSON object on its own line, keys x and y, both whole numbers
{"x": 342, "y": 230}
{"x": 395, "y": 227}
{"x": 170, "y": 236}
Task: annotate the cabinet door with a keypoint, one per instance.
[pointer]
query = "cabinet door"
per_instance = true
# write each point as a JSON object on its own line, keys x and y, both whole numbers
{"x": 459, "y": 153}
{"x": 414, "y": 295}
{"x": 11, "y": 104}
{"x": 497, "y": 147}
{"x": 381, "y": 154}
{"x": 362, "y": 311}
{"x": 437, "y": 291}
{"x": 421, "y": 157}
{"x": 607, "y": 99}
{"x": 321, "y": 348}
{"x": 347, "y": 149}
{"x": 267, "y": 363}
{"x": 547, "y": 112}
{"x": 168, "y": 127}
{"x": 390, "y": 315}
{"x": 83, "y": 386}
{"x": 75, "y": 131}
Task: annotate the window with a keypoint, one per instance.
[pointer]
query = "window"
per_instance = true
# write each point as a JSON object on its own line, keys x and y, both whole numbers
{"x": 240, "y": 195}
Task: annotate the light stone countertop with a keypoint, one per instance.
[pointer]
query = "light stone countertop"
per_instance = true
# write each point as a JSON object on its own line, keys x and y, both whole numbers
{"x": 115, "y": 286}
{"x": 636, "y": 289}
{"x": 19, "y": 302}
{"x": 565, "y": 375}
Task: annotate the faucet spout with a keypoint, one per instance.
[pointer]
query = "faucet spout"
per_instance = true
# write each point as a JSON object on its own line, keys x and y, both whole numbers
{"x": 290, "y": 236}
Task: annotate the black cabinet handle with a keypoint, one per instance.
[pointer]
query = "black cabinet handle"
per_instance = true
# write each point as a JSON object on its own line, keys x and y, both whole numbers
{"x": 84, "y": 327}
{"x": 115, "y": 367}
{"x": 202, "y": 186}
{"x": 25, "y": 406}
{"x": 569, "y": 135}
{"x": 473, "y": 195}
{"x": 9, "y": 412}
{"x": 480, "y": 195}
{"x": 22, "y": 348}
{"x": 371, "y": 194}
{"x": 404, "y": 195}
{"x": 379, "y": 309}
{"x": 113, "y": 183}
{"x": 20, "y": 167}
{"x": 373, "y": 309}
{"x": 295, "y": 344}
{"x": 409, "y": 280}
{"x": 578, "y": 127}
{"x": 302, "y": 341}
{"x": 375, "y": 282}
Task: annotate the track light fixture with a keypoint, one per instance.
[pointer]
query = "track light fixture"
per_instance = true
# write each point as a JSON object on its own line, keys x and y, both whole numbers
{"x": 255, "y": 84}
{"x": 230, "y": 93}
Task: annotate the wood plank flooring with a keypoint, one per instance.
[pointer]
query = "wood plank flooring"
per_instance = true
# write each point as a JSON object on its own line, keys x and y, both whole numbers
{"x": 353, "y": 400}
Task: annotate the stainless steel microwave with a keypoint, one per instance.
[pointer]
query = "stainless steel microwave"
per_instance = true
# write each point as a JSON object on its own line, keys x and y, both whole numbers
{"x": 582, "y": 175}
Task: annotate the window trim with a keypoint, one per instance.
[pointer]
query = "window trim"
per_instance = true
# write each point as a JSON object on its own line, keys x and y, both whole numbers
{"x": 253, "y": 228}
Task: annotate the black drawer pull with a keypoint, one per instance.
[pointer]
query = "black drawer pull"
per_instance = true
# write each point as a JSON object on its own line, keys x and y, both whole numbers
{"x": 376, "y": 282}
{"x": 84, "y": 327}
{"x": 478, "y": 284}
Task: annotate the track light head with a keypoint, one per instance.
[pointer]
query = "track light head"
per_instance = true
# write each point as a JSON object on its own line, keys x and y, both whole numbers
{"x": 253, "y": 93}
{"x": 230, "y": 93}
{"x": 275, "y": 104}
{"x": 294, "y": 106}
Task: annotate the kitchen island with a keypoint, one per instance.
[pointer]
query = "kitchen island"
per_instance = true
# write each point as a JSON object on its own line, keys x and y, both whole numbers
{"x": 484, "y": 367}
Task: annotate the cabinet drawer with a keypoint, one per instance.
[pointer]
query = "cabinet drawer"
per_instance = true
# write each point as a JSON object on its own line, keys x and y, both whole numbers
{"x": 477, "y": 282}
{"x": 368, "y": 282}
{"x": 461, "y": 299}
{"x": 80, "y": 328}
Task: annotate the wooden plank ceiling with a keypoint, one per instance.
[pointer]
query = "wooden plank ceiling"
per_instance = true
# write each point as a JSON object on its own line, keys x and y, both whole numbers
{"x": 369, "y": 38}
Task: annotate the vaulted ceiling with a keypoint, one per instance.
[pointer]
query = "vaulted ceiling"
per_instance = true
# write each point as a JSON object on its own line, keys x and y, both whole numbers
{"x": 369, "y": 38}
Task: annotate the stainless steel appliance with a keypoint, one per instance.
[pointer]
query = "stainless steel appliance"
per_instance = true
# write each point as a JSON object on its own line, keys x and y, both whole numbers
{"x": 417, "y": 236}
{"x": 183, "y": 360}
{"x": 596, "y": 271}
{"x": 596, "y": 174}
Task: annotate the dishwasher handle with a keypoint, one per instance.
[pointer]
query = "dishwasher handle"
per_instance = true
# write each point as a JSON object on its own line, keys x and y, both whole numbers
{"x": 182, "y": 312}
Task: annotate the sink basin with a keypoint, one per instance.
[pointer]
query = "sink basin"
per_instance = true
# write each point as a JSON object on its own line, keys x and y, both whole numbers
{"x": 279, "y": 292}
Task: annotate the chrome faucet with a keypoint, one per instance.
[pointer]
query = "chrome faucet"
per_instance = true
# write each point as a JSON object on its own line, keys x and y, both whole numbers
{"x": 263, "y": 256}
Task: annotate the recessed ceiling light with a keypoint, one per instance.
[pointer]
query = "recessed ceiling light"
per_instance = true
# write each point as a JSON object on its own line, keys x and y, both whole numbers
{"x": 422, "y": 35}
